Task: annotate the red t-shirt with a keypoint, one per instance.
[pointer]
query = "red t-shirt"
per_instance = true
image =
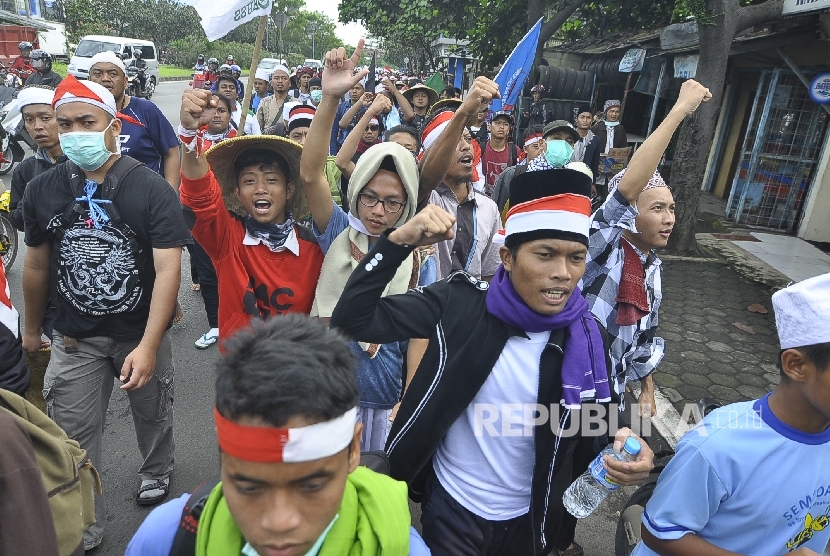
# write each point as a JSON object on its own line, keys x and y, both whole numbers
{"x": 493, "y": 164}
{"x": 253, "y": 280}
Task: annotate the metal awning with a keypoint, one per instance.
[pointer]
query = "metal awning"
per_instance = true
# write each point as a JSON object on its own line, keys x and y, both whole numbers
{"x": 11, "y": 17}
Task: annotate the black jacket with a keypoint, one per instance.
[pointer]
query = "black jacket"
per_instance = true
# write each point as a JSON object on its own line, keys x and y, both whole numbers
{"x": 620, "y": 137}
{"x": 592, "y": 152}
{"x": 465, "y": 343}
{"x": 51, "y": 79}
{"x": 25, "y": 172}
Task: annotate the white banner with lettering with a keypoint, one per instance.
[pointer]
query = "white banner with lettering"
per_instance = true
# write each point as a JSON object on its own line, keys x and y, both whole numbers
{"x": 632, "y": 60}
{"x": 220, "y": 18}
{"x": 685, "y": 67}
{"x": 801, "y": 6}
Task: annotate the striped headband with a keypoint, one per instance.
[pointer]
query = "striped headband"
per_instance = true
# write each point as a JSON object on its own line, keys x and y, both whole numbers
{"x": 374, "y": 121}
{"x": 273, "y": 445}
{"x": 532, "y": 139}
{"x": 438, "y": 124}
{"x": 655, "y": 181}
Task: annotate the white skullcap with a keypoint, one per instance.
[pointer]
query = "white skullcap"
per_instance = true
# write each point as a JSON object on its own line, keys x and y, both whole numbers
{"x": 802, "y": 312}
{"x": 35, "y": 95}
{"x": 262, "y": 73}
{"x": 109, "y": 57}
{"x": 282, "y": 68}
{"x": 580, "y": 167}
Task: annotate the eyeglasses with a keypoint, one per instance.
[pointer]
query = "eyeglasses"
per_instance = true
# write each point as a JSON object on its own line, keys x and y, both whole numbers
{"x": 371, "y": 201}
{"x": 373, "y": 127}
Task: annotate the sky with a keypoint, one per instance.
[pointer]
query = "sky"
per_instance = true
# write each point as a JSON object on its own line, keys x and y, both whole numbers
{"x": 350, "y": 33}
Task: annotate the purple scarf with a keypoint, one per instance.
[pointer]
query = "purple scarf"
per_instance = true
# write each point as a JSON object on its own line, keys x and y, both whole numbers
{"x": 584, "y": 371}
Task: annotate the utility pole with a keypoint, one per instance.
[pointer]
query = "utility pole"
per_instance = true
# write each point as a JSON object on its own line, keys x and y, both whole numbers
{"x": 313, "y": 28}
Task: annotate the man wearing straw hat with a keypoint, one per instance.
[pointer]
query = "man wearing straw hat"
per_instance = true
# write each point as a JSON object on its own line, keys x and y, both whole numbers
{"x": 421, "y": 98}
{"x": 247, "y": 198}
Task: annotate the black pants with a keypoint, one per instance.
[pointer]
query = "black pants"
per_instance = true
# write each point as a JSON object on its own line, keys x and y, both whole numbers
{"x": 209, "y": 283}
{"x": 449, "y": 529}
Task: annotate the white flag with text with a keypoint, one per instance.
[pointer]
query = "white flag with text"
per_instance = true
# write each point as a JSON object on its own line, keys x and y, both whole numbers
{"x": 220, "y": 18}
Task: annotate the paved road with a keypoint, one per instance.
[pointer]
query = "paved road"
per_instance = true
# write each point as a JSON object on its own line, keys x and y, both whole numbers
{"x": 197, "y": 458}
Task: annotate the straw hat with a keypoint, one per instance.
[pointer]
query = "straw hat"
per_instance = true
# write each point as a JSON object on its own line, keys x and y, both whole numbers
{"x": 222, "y": 157}
{"x": 452, "y": 103}
{"x": 433, "y": 96}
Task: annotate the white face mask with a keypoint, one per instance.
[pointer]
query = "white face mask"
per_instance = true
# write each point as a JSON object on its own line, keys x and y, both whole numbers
{"x": 87, "y": 149}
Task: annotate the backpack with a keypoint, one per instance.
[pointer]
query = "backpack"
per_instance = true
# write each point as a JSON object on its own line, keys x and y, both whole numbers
{"x": 184, "y": 543}
{"x": 68, "y": 474}
{"x": 109, "y": 189}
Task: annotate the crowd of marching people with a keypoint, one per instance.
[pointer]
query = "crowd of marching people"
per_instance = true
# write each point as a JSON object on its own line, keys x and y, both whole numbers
{"x": 379, "y": 267}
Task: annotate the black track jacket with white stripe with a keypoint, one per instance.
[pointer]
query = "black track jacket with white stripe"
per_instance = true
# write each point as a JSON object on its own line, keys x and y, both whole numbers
{"x": 465, "y": 343}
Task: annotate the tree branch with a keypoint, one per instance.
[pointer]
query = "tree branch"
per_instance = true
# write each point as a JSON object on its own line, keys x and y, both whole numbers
{"x": 757, "y": 14}
{"x": 553, "y": 24}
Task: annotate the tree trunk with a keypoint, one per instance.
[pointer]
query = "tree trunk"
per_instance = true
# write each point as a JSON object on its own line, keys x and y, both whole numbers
{"x": 698, "y": 132}
{"x": 535, "y": 10}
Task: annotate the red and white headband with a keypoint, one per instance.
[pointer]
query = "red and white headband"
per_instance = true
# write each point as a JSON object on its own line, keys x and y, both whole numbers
{"x": 435, "y": 127}
{"x": 72, "y": 90}
{"x": 533, "y": 139}
{"x": 274, "y": 445}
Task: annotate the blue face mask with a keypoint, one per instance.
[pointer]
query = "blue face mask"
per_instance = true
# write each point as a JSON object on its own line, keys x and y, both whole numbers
{"x": 87, "y": 149}
{"x": 558, "y": 152}
{"x": 317, "y": 95}
{"x": 612, "y": 124}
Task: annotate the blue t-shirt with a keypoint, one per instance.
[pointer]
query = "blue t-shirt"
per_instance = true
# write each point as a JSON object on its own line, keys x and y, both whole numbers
{"x": 155, "y": 535}
{"x": 745, "y": 482}
{"x": 378, "y": 378}
{"x": 149, "y": 142}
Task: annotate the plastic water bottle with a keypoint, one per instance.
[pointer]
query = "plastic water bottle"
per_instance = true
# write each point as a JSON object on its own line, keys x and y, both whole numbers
{"x": 587, "y": 492}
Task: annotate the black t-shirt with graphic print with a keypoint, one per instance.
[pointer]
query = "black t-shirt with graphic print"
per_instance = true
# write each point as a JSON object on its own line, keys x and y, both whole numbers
{"x": 102, "y": 286}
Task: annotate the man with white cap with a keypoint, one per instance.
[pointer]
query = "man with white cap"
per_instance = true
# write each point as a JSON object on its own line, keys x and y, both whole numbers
{"x": 35, "y": 104}
{"x": 623, "y": 275}
{"x": 752, "y": 477}
{"x": 146, "y": 134}
{"x": 270, "y": 110}
{"x": 261, "y": 79}
{"x": 106, "y": 233}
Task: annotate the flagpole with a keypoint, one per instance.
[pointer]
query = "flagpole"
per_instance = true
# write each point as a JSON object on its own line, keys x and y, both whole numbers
{"x": 246, "y": 102}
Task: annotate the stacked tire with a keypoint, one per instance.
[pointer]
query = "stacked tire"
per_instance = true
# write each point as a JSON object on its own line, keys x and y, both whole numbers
{"x": 566, "y": 83}
{"x": 606, "y": 69}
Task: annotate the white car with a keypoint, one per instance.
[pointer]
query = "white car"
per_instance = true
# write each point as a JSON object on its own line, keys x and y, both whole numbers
{"x": 91, "y": 45}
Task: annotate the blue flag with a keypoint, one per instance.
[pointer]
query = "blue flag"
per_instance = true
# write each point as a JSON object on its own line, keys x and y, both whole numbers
{"x": 514, "y": 72}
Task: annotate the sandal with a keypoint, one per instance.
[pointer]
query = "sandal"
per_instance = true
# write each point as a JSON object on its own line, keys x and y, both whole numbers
{"x": 150, "y": 485}
{"x": 575, "y": 550}
{"x": 206, "y": 340}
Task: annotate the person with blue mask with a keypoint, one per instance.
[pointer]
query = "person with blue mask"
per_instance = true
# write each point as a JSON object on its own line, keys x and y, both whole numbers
{"x": 113, "y": 266}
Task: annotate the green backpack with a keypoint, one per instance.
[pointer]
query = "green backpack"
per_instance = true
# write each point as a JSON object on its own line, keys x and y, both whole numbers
{"x": 68, "y": 473}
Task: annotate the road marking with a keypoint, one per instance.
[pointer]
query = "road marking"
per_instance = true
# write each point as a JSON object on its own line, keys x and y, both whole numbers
{"x": 667, "y": 421}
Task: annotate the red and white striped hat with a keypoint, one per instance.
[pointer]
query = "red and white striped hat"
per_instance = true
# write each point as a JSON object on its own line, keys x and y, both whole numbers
{"x": 73, "y": 90}
{"x": 300, "y": 115}
{"x": 549, "y": 204}
{"x": 434, "y": 128}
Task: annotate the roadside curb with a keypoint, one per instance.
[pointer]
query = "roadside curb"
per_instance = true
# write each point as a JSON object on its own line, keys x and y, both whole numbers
{"x": 744, "y": 262}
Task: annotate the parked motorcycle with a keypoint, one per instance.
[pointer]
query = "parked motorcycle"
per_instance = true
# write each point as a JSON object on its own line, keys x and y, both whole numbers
{"x": 8, "y": 234}
{"x": 13, "y": 135}
{"x": 134, "y": 85}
